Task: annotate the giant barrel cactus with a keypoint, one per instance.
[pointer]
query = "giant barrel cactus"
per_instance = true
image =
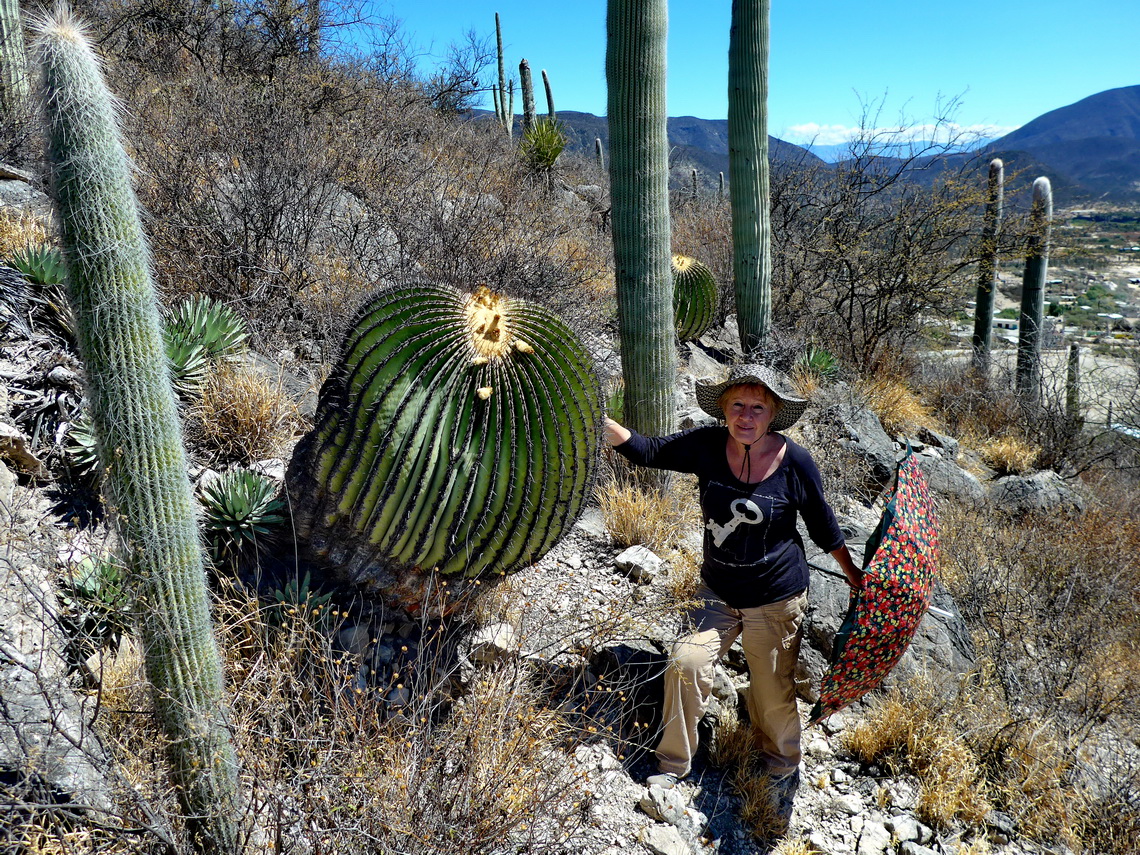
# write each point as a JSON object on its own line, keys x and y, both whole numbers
{"x": 694, "y": 297}
{"x": 456, "y": 440}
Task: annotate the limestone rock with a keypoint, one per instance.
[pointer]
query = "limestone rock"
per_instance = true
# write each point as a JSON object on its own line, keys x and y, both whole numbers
{"x": 640, "y": 564}
{"x": 1041, "y": 492}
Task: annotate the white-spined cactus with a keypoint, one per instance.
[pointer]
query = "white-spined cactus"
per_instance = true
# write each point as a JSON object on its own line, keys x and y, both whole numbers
{"x": 455, "y": 441}
{"x": 694, "y": 297}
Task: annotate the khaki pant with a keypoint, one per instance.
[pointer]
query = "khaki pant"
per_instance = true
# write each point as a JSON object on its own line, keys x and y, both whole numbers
{"x": 771, "y": 639}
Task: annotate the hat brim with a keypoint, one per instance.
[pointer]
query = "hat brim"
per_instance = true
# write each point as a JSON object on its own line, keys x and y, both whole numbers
{"x": 792, "y": 407}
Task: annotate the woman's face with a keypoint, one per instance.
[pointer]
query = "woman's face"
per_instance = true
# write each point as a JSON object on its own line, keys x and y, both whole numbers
{"x": 748, "y": 410}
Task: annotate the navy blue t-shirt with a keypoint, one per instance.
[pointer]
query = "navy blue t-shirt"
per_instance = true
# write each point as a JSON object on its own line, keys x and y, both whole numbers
{"x": 753, "y": 553}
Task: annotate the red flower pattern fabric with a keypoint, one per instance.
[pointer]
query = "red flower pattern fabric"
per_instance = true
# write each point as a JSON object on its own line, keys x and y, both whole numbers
{"x": 898, "y": 578}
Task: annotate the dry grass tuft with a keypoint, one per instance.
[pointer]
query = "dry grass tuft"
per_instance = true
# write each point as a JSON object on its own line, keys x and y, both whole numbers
{"x": 899, "y": 409}
{"x": 795, "y": 846}
{"x": 1009, "y": 455}
{"x": 912, "y": 733}
{"x": 20, "y": 230}
{"x": 243, "y": 415}
{"x": 734, "y": 751}
{"x": 637, "y": 516}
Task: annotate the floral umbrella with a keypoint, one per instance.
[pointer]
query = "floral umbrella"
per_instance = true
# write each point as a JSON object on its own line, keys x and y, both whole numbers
{"x": 898, "y": 574}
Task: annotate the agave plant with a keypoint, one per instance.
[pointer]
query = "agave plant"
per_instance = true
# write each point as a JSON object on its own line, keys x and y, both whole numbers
{"x": 241, "y": 516}
{"x": 543, "y": 142}
{"x": 456, "y": 440}
{"x": 80, "y": 445}
{"x": 220, "y": 330}
{"x": 43, "y": 267}
{"x": 197, "y": 333}
{"x": 95, "y": 611}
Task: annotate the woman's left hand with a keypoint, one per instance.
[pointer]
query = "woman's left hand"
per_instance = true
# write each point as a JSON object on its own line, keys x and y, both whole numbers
{"x": 850, "y": 570}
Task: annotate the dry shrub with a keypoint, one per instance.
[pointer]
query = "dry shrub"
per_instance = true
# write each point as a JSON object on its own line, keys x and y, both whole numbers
{"x": 243, "y": 415}
{"x": 484, "y": 771}
{"x": 20, "y": 229}
{"x": 899, "y": 409}
{"x": 911, "y": 733}
{"x": 1009, "y": 455}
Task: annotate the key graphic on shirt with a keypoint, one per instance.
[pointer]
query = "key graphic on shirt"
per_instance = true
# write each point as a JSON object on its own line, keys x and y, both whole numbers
{"x": 739, "y": 507}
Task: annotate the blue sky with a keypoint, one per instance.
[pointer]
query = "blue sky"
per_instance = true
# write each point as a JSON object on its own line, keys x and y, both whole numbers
{"x": 1004, "y": 61}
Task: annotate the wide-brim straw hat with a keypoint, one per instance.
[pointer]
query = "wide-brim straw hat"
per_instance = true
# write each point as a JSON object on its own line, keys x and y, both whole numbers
{"x": 778, "y": 384}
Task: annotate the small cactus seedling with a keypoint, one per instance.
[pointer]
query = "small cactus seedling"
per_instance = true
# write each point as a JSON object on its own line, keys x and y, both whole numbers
{"x": 694, "y": 297}
{"x": 455, "y": 441}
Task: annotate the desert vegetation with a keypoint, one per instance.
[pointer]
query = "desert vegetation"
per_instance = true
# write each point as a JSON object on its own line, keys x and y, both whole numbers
{"x": 284, "y": 178}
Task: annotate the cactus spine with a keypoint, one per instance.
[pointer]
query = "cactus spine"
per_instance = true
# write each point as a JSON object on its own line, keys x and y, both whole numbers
{"x": 748, "y": 169}
{"x": 13, "y": 59}
{"x": 549, "y": 96}
{"x": 457, "y": 439}
{"x": 636, "y": 32}
{"x": 139, "y": 435}
{"x": 1033, "y": 293}
{"x": 694, "y": 297}
{"x": 987, "y": 267}
{"x": 526, "y": 84}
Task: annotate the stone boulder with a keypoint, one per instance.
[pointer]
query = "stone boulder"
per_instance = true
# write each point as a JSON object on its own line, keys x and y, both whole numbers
{"x": 1041, "y": 492}
{"x": 47, "y": 744}
{"x": 947, "y": 478}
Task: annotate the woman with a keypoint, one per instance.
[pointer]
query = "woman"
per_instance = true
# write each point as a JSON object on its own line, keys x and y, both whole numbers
{"x": 753, "y": 483}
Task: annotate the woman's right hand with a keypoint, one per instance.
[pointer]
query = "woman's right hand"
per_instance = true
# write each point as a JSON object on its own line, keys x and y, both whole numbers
{"x": 615, "y": 433}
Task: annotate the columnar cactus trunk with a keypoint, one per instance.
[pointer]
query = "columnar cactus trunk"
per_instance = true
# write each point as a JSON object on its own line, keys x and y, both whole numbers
{"x": 455, "y": 441}
{"x": 987, "y": 268}
{"x": 526, "y": 83}
{"x": 748, "y": 170}
{"x": 13, "y": 59}
{"x": 1033, "y": 293}
{"x": 1073, "y": 385}
{"x": 139, "y": 435}
{"x": 501, "y": 109}
{"x": 549, "y": 96}
{"x": 598, "y": 156}
{"x": 639, "y": 180}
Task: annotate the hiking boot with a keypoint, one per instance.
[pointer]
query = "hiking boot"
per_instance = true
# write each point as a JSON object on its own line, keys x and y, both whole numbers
{"x": 664, "y": 780}
{"x": 785, "y": 788}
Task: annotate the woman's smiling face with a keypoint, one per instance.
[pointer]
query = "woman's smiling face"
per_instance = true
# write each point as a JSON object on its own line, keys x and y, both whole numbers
{"x": 748, "y": 410}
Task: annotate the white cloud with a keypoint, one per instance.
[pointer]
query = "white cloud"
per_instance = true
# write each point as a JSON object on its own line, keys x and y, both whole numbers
{"x": 812, "y": 132}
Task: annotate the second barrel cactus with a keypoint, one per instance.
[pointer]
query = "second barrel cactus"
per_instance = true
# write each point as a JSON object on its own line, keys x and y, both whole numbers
{"x": 694, "y": 297}
{"x": 456, "y": 440}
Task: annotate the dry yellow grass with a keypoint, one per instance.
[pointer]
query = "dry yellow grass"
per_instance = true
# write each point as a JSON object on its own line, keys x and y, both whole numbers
{"x": 795, "y": 846}
{"x": 733, "y": 750}
{"x": 899, "y": 409}
{"x": 243, "y": 415}
{"x": 20, "y": 230}
{"x": 911, "y": 732}
{"x": 636, "y": 516}
{"x": 1009, "y": 454}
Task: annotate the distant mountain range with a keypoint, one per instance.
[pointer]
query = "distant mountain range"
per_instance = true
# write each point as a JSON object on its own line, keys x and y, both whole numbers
{"x": 1090, "y": 150}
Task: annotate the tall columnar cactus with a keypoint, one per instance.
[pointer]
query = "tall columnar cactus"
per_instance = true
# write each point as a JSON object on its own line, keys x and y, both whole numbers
{"x": 748, "y": 169}
{"x": 694, "y": 297}
{"x": 137, "y": 428}
{"x": 598, "y": 155}
{"x": 1073, "y": 385}
{"x": 1033, "y": 293}
{"x": 13, "y": 59}
{"x": 501, "y": 101}
{"x": 636, "y": 32}
{"x": 526, "y": 84}
{"x": 456, "y": 440}
{"x": 987, "y": 267}
{"x": 549, "y": 96}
